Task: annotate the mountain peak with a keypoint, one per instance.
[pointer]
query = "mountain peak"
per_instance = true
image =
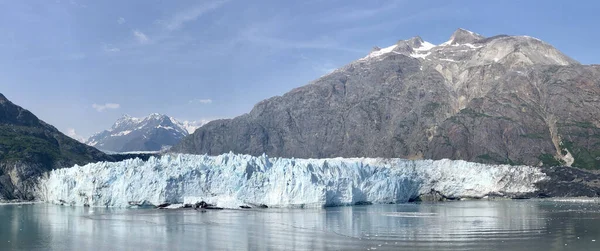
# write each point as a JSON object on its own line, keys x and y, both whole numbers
{"x": 3, "y": 99}
{"x": 156, "y": 116}
{"x": 125, "y": 117}
{"x": 415, "y": 42}
{"x": 151, "y": 133}
{"x": 463, "y": 36}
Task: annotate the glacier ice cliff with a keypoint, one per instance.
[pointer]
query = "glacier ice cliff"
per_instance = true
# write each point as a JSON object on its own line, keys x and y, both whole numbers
{"x": 231, "y": 180}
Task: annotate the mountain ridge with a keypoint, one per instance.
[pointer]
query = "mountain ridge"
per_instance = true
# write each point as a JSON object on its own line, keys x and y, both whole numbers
{"x": 409, "y": 100}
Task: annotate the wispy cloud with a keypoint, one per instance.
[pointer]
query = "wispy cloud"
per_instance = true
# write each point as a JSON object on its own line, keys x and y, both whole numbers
{"x": 200, "y": 101}
{"x": 74, "y": 3}
{"x": 275, "y": 42}
{"x": 110, "y": 48}
{"x": 355, "y": 14}
{"x": 277, "y": 33}
{"x": 121, "y": 20}
{"x": 179, "y": 19}
{"x": 437, "y": 13}
{"x": 73, "y": 134}
{"x": 107, "y": 106}
{"x": 141, "y": 37}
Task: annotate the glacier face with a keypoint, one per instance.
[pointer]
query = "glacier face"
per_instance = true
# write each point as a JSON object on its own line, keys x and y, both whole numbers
{"x": 231, "y": 180}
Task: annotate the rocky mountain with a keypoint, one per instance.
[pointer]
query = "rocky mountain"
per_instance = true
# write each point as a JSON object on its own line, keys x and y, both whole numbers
{"x": 153, "y": 133}
{"x": 30, "y": 147}
{"x": 501, "y": 99}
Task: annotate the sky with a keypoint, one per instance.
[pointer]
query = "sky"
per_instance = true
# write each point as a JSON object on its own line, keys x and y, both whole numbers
{"x": 81, "y": 64}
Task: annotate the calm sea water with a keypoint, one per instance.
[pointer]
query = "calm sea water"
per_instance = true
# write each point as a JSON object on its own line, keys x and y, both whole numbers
{"x": 465, "y": 225}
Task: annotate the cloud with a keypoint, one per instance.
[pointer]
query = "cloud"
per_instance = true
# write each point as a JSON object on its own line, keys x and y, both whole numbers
{"x": 354, "y": 14}
{"x": 179, "y": 19}
{"x": 74, "y": 3}
{"x": 201, "y": 101}
{"x": 109, "y": 48}
{"x": 430, "y": 14}
{"x": 73, "y": 134}
{"x": 323, "y": 43}
{"x": 274, "y": 35}
{"x": 141, "y": 37}
{"x": 107, "y": 106}
{"x": 121, "y": 20}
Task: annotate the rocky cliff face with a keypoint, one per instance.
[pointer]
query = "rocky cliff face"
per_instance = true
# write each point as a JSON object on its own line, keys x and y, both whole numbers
{"x": 29, "y": 147}
{"x": 502, "y": 99}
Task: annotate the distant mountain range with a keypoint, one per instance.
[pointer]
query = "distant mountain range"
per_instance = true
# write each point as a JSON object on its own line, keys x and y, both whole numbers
{"x": 501, "y": 99}
{"x": 153, "y": 133}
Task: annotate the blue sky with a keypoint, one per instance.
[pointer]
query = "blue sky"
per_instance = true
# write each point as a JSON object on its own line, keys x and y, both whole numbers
{"x": 81, "y": 64}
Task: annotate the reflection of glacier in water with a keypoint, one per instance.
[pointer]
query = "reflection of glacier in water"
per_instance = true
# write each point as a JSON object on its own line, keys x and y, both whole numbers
{"x": 465, "y": 225}
{"x": 231, "y": 180}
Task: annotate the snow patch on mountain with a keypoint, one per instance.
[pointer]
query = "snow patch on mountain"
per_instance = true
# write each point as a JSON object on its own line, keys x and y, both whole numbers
{"x": 380, "y": 52}
{"x": 420, "y": 52}
{"x": 425, "y": 46}
{"x": 122, "y": 133}
{"x": 423, "y": 51}
{"x": 191, "y": 126}
{"x": 232, "y": 180}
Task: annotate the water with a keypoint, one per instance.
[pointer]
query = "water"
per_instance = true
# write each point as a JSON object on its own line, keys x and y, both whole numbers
{"x": 466, "y": 225}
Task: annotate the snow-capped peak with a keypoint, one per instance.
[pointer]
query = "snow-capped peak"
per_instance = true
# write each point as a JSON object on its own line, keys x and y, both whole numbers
{"x": 471, "y": 49}
{"x": 149, "y": 133}
{"x": 462, "y": 36}
{"x": 125, "y": 120}
{"x": 414, "y": 47}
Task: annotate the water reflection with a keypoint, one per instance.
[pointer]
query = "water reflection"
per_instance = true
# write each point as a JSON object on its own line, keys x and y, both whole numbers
{"x": 467, "y": 225}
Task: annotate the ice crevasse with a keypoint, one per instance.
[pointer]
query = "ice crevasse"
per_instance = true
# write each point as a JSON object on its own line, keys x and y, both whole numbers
{"x": 231, "y": 180}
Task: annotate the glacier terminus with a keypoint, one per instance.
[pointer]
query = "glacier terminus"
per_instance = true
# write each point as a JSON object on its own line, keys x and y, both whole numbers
{"x": 234, "y": 180}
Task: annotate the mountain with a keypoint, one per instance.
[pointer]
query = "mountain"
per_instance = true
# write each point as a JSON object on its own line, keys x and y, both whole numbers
{"x": 501, "y": 99}
{"x": 30, "y": 147}
{"x": 153, "y": 133}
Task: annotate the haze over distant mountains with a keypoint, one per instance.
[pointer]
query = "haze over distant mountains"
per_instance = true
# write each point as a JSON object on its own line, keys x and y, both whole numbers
{"x": 155, "y": 132}
{"x": 502, "y": 99}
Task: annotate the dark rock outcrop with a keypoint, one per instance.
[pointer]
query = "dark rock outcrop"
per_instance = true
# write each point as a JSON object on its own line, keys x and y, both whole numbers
{"x": 432, "y": 196}
{"x": 569, "y": 182}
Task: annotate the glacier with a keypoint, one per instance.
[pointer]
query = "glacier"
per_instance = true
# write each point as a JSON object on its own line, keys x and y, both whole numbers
{"x": 232, "y": 180}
